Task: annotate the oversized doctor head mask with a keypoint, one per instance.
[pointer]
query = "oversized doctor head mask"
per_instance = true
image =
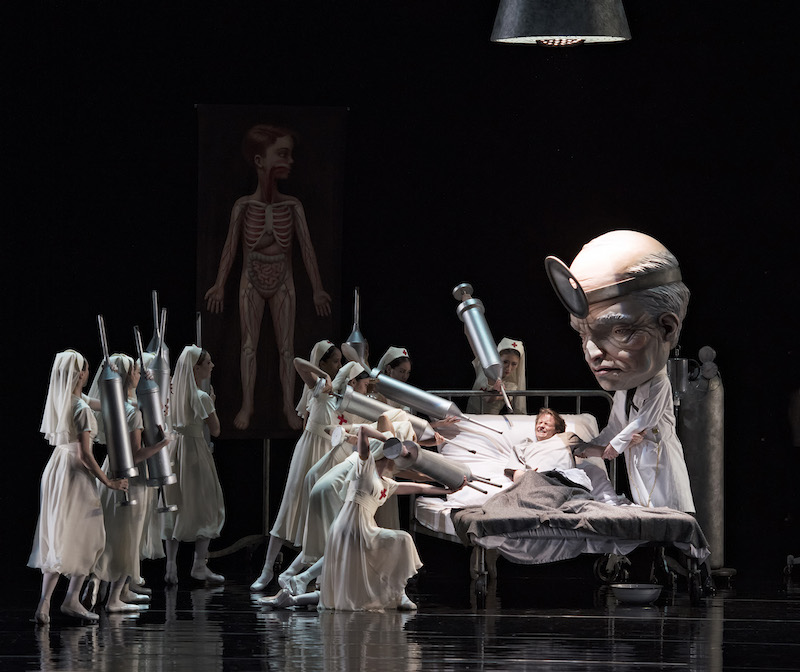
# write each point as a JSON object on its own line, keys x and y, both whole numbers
{"x": 627, "y": 301}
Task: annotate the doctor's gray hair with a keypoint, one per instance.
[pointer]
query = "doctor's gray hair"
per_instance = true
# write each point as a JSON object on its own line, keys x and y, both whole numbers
{"x": 671, "y": 298}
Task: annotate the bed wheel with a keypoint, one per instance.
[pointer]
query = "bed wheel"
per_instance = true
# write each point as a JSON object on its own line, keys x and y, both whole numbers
{"x": 612, "y": 568}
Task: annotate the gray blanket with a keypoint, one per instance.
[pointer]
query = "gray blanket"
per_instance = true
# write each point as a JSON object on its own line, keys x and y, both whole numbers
{"x": 549, "y": 500}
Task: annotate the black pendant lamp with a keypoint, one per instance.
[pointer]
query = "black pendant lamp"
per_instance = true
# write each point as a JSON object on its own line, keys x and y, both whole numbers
{"x": 560, "y": 23}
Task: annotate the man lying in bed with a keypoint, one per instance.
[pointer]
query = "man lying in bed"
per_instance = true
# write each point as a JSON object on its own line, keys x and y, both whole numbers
{"x": 551, "y": 447}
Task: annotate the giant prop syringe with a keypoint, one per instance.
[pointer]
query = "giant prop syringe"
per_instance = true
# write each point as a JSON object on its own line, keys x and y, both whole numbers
{"x": 151, "y": 405}
{"x": 472, "y": 314}
{"x": 356, "y": 339}
{"x": 448, "y": 472}
{"x": 423, "y": 402}
{"x": 159, "y": 364}
{"x": 372, "y": 409}
{"x": 158, "y": 329}
{"x": 115, "y": 422}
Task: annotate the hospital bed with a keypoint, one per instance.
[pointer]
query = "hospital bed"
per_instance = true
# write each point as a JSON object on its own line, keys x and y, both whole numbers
{"x": 549, "y": 540}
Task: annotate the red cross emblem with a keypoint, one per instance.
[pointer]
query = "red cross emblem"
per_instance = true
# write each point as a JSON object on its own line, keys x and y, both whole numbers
{"x": 405, "y": 352}
{"x": 383, "y": 494}
{"x": 342, "y": 419}
{"x": 513, "y": 345}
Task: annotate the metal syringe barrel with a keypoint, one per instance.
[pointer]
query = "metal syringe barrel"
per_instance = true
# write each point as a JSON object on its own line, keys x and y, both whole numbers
{"x": 372, "y": 409}
{"x": 408, "y": 395}
{"x": 159, "y": 468}
{"x": 473, "y": 314}
{"x": 444, "y": 470}
{"x": 115, "y": 421}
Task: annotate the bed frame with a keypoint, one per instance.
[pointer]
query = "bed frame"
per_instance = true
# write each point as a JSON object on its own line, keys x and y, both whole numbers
{"x": 609, "y": 567}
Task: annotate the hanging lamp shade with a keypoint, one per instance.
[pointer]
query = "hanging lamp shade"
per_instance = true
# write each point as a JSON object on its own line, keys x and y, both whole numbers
{"x": 560, "y": 22}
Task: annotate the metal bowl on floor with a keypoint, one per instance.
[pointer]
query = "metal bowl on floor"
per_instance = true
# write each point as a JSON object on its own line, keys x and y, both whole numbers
{"x": 636, "y": 593}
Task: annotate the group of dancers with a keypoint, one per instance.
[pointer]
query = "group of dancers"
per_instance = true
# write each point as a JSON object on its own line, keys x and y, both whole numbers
{"x": 339, "y": 492}
{"x": 84, "y": 531}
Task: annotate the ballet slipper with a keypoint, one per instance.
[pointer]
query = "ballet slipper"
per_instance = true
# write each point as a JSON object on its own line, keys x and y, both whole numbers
{"x": 121, "y": 608}
{"x": 285, "y": 577}
{"x": 171, "y": 575}
{"x": 78, "y": 612}
{"x": 89, "y": 593}
{"x": 298, "y": 585}
{"x": 261, "y": 582}
{"x": 201, "y": 572}
{"x": 406, "y": 604}
{"x": 129, "y": 597}
{"x": 281, "y": 600}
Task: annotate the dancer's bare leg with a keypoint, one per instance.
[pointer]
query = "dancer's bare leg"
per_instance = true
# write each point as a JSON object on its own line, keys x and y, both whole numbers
{"x": 49, "y": 582}
{"x": 171, "y": 573}
{"x": 114, "y": 603}
{"x": 251, "y": 312}
{"x": 282, "y": 307}
{"x": 273, "y": 548}
{"x": 200, "y": 570}
{"x": 72, "y": 604}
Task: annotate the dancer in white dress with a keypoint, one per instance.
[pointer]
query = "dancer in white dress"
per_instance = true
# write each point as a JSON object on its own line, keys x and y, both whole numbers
{"x": 512, "y": 357}
{"x": 313, "y": 444}
{"x": 124, "y": 525}
{"x": 198, "y": 494}
{"x": 69, "y": 534}
{"x": 365, "y": 567}
{"x": 326, "y": 356}
{"x": 395, "y": 363}
{"x": 327, "y": 492}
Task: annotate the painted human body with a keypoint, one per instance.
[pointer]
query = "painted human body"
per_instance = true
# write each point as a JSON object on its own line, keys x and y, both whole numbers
{"x": 267, "y": 222}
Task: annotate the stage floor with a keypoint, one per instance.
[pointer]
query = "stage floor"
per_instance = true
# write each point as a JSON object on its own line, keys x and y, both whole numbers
{"x": 534, "y": 618}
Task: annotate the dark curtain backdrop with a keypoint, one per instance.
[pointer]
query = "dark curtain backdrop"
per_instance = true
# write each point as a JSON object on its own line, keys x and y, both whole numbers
{"x": 465, "y": 161}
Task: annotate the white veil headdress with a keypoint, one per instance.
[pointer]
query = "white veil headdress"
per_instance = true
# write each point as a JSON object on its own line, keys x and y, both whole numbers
{"x": 186, "y": 406}
{"x": 317, "y": 352}
{"x": 57, "y": 417}
{"x": 517, "y": 377}
{"x": 394, "y": 352}
{"x": 347, "y": 373}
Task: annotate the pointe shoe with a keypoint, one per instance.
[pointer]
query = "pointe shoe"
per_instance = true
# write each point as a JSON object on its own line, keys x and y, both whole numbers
{"x": 89, "y": 592}
{"x": 406, "y": 604}
{"x": 261, "y": 582}
{"x": 203, "y": 573}
{"x": 298, "y": 585}
{"x": 171, "y": 575}
{"x": 80, "y": 612}
{"x": 282, "y": 599}
{"x": 41, "y": 617}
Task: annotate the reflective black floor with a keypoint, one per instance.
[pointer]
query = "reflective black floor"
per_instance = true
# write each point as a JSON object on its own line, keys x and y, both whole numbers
{"x": 556, "y": 617}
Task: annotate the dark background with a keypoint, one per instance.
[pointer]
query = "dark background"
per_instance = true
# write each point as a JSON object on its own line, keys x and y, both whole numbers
{"x": 465, "y": 160}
